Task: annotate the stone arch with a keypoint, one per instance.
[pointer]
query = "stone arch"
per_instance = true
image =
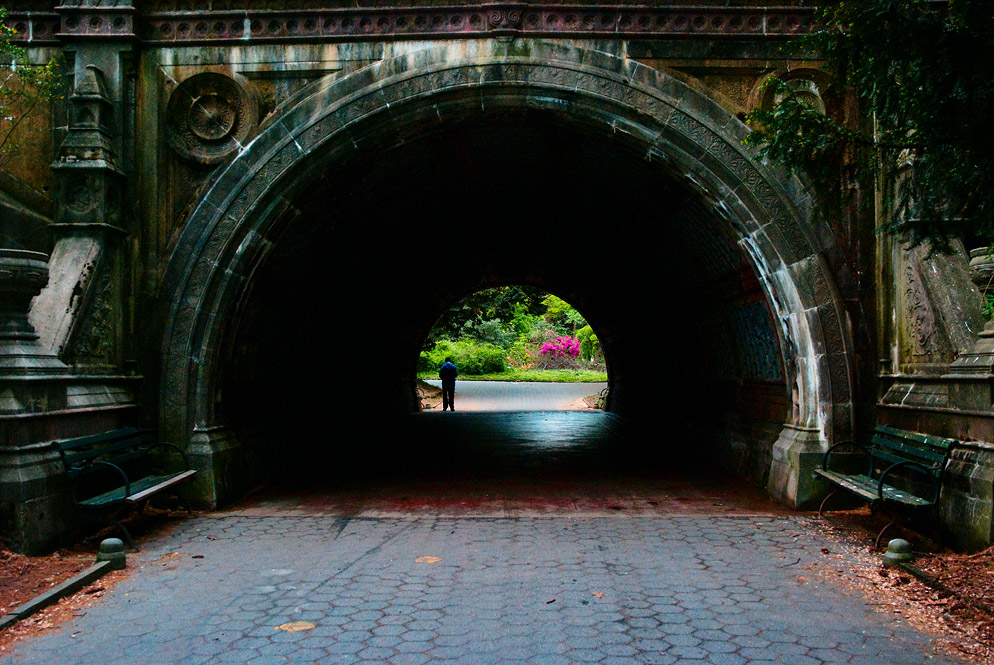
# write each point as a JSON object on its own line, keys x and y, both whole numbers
{"x": 230, "y": 230}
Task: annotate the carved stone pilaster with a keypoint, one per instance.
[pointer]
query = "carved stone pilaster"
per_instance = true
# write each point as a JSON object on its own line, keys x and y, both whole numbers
{"x": 89, "y": 186}
{"x": 796, "y": 454}
{"x": 88, "y": 178}
{"x": 219, "y": 460}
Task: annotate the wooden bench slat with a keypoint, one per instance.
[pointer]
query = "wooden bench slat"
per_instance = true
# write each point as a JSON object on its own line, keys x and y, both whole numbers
{"x": 95, "y": 439}
{"x": 889, "y": 446}
{"x": 79, "y": 456}
{"x": 866, "y": 487}
{"x": 129, "y": 450}
{"x": 894, "y": 459}
{"x": 911, "y": 452}
{"x": 925, "y": 439}
{"x": 120, "y": 459}
{"x": 158, "y": 485}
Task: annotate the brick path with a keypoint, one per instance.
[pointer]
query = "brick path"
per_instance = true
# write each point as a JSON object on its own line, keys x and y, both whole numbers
{"x": 717, "y": 590}
{"x": 367, "y": 581}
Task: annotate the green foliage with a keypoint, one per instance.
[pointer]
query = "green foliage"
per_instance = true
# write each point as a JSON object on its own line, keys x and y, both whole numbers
{"x": 537, "y": 375}
{"x": 22, "y": 86}
{"x": 520, "y": 355}
{"x": 989, "y": 305}
{"x": 589, "y": 344}
{"x": 496, "y": 327}
{"x": 561, "y": 314}
{"x": 491, "y": 331}
{"x": 922, "y": 72}
{"x": 523, "y": 321}
{"x": 502, "y": 303}
{"x": 469, "y": 356}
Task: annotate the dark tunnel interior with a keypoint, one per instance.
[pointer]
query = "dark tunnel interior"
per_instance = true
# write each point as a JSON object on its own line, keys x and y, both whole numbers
{"x": 325, "y": 349}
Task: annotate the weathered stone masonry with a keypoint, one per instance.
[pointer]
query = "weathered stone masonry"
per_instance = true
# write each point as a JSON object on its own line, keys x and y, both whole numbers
{"x": 220, "y": 170}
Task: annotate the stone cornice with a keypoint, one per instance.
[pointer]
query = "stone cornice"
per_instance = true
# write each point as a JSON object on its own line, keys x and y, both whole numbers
{"x": 69, "y": 23}
{"x": 81, "y": 19}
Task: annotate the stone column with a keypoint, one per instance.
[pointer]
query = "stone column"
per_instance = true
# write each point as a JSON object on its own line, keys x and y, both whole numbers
{"x": 33, "y": 507}
{"x": 796, "y": 453}
{"x": 78, "y": 316}
{"x": 221, "y": 466}
{"x": 23, "y": 274}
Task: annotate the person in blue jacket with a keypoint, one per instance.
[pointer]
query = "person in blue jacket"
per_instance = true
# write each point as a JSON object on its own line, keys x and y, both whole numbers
{"x": 448, "y": 373}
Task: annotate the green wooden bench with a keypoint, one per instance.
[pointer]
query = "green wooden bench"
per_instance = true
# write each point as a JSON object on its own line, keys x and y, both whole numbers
{"x": 901, "y": 469}
{"x": 114, "y": 472}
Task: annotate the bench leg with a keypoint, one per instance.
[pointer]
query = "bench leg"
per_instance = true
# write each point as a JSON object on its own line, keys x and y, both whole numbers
{"x": 127, "y": 535}
{"x": 894, "y": 519}
{"x": 186, "y": 503}
{"x": 876, "y": 543}
{"x": 821, "y": 508}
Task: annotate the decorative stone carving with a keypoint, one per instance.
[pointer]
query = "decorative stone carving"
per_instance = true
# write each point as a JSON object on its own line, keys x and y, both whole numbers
{"x": 808, "y": 84}
{"x": 95, "y": 341}
{"x": 87, "y": 171}
{"x": 467, "y": 20}
{"x": 23, "y": 274}
{"x": 103, "y": 19}
{"x": 921, "y": 319}
{"x": 209, "y": 117}
{"x": 509, "y": 18}
{"x": 97, "y": 19}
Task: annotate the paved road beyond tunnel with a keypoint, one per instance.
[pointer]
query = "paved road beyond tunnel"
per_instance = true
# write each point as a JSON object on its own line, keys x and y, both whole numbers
{"x": 520, "y": 396}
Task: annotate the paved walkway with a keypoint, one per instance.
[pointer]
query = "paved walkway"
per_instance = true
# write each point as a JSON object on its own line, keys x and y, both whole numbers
{"x": 651, "y": 569}
{"x": 519, "y": 396}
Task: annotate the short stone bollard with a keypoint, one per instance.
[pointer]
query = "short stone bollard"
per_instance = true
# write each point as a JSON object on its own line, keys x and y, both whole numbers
{"x": 112, "y": 550}
{"x": 898, "y": 552}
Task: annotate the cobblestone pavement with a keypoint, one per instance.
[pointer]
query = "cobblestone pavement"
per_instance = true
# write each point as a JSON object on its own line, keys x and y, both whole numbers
{"x": 723, "y": 590}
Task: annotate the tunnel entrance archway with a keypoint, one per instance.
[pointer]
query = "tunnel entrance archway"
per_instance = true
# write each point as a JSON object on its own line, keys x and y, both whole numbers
{"x": 254, "y": 199}
{"x": 517, "y": 347}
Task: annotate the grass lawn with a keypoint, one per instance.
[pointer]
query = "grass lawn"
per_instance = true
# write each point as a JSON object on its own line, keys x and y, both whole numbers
{"x": 546, "y": 375}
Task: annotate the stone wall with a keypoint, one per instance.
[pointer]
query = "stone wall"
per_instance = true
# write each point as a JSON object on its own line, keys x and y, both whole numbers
{"x": 188, "y": 133}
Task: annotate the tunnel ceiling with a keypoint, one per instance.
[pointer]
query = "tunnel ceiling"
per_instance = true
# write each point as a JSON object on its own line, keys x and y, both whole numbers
{"x": 511, "y": 196}
{"x": 379, "y": 247}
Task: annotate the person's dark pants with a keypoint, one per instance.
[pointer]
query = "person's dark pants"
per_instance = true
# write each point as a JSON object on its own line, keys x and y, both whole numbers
{"x": 448, "y": 397}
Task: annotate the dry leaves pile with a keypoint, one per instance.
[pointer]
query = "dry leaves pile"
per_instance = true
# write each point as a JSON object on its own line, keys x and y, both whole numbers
{"x": 952, "y": 601}
{"x": 22, "y": 577}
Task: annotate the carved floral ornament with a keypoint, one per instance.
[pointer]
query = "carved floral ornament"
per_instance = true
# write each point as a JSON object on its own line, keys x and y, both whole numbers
{"x": 920, "y": 318}
{"x": 209, "y": 116}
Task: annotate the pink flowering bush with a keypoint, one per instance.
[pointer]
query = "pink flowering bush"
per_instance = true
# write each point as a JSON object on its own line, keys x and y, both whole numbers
{"x": 559, "y": 352}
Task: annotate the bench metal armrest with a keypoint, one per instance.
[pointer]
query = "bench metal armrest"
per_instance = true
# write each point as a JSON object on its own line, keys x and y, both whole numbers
{"x": 90, "y": 467}
{"x": 824, "y": 459}
{"x": 897, "y": 465}
{"x": 166, "y": 444}
{"x": 62, "y": 455}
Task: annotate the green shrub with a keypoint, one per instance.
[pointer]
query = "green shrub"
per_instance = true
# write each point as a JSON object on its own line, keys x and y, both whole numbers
{"x": 589, "y": 344}
{"x": 492, "y": 331}
{"x": 520, "y": 354}
{"x": 470, "y": 357}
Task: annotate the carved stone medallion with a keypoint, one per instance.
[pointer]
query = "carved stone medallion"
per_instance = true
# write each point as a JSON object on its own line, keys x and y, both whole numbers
{"x": 209, "y": 117}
